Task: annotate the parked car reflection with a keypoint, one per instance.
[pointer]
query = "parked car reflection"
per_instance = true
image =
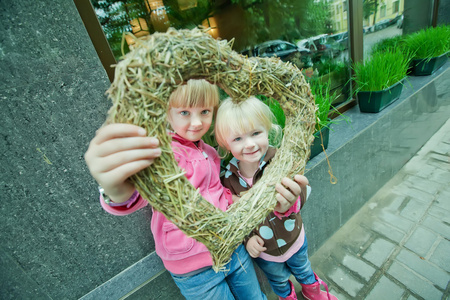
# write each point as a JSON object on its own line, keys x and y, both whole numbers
{"x": 286, "y": 51}
{"x": 340, "y": 40}
{"x": 320, "y": 46}
{"x": 386, "y": 23}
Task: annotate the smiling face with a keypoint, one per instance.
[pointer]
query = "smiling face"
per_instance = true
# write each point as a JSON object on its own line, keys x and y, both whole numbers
{"x": 249, "y": 146}
{"x": 191, "y": 123}
{"x": 243, "y": 129}
{"x": 191, "y": 108}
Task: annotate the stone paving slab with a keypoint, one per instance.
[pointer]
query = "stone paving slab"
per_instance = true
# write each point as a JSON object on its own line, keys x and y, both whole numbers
{"x": 398, "y": 245}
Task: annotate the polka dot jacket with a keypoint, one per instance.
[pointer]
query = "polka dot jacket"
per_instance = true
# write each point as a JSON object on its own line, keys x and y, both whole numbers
{"x": 279, "y": 234}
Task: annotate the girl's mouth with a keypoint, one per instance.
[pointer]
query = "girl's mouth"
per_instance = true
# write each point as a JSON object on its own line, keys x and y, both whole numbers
{"x": 251, "y": 153}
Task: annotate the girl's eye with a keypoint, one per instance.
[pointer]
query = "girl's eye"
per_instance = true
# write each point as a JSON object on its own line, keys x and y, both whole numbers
{"x": 205, "y": 112}
{"x": 184, "y": 113}
{"x": 237, "y": 139}
{"x": 256, "y": 133}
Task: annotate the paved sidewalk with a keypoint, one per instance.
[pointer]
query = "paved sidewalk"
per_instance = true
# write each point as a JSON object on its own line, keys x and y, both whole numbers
{"x": 398, "y": 245}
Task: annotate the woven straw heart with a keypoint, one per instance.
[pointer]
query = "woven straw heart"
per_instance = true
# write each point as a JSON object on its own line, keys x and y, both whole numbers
{"x": 143, "y": 82}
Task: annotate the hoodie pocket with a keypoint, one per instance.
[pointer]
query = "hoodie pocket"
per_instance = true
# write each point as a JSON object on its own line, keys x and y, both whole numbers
{"x": 175, "y": 241}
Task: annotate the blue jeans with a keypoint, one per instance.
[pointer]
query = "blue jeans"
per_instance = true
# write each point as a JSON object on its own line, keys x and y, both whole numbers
{"x": 238, "y": 282}
{"x": 278, "y": 273}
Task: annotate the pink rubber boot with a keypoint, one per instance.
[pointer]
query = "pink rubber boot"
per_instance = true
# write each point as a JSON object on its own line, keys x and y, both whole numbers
{"x": 292, "y": 295}
{"x": 313, "y": 291}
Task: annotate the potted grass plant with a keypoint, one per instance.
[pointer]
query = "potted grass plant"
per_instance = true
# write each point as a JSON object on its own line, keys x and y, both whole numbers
{"x": 430, "y": 48}
{"x": 336, "y": 74}
{"x": 389, "y": 44}
{"x": 323, "y": 99}
{"x": 379, "y": 79}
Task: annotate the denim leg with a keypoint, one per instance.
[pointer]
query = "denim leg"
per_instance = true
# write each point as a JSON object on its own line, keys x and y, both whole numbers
{"x": 207, "y": 285}
{"x": 241, "y": 276}
{"x": 300, "y": 266}
{"x": 277, "y": 274}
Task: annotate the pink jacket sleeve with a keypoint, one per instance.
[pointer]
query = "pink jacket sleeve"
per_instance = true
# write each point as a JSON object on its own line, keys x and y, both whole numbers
{"x": 135, "y": 204}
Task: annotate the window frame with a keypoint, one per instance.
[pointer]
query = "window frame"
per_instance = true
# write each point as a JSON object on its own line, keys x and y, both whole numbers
{"x": 98, "y": 38}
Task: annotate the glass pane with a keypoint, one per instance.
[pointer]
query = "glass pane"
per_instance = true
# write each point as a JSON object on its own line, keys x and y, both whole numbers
{"x": 312, "y": 34}
{"x": 381, "y": 21}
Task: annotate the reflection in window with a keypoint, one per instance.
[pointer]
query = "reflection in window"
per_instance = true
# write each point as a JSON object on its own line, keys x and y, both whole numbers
{"x": 395, "y": 6}
{"x": 381, "y": 22}
{"x": 383, "y": 11}
{"x": 312, "y": 34}
{"x": 144, "y": 17}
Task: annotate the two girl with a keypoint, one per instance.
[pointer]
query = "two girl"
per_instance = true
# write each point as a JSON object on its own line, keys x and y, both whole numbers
{"x": 279, "y": 244}
{"x": 121, "y": 150}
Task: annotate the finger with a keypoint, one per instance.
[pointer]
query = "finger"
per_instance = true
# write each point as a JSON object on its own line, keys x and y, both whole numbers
{"x": 284, "y": 192}
{"x": 113, "y": 131}
{"x": 260, "y": 248}
{"x": 125, "y": 171}
{"x": 291, "y": 185}
{"x": 124, "y": 144}
{"x": 259, "y": 240}
{"x": 282, "y": 202}
{"x": 116, "y": 160}
{"x": 301, "y": 180}
{"x": 254, "y": 254}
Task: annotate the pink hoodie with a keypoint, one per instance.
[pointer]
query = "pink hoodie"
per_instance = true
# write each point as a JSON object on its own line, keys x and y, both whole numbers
{"x": 182, "y": 254}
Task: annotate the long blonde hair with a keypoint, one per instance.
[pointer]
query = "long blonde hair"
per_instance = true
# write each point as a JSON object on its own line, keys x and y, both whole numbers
{"x": 244, "y": 116}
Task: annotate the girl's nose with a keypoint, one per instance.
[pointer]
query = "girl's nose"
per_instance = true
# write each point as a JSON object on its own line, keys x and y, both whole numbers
{"x": 195, "y": 121}
{"x": 249, "y": 143}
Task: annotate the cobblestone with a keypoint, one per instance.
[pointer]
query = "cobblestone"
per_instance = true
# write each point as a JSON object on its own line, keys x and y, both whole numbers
{"x": 433, "y": 273}
{"x": 385, "y": 289}
{"x": 379, "y": 251}
{"x": 413, "y": 210}
{"x": 416, "y": 284}
{"x": 388, "y": 231}
{"x": 441, "y": 256}
{"x": 421, "y": 241}
{"x": 402, "y": 224}
{"x": 346, "y": 281}
{"x": 438, "y": 226}
{"x": 359, "y": 267}
{"x": 398, "y": 245}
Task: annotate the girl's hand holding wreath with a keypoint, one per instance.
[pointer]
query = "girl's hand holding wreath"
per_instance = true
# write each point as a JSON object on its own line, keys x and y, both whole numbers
{"x": 117, "y": 152}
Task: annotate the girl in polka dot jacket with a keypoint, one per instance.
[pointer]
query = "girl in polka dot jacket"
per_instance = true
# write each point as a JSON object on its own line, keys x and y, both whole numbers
{"x": 279, "y": 244}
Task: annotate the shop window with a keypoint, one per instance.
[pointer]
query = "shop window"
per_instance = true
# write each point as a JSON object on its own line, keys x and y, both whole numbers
{"x": 312, "y": 34}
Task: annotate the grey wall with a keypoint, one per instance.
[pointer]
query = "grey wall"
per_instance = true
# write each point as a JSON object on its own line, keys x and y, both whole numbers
{"x": 55, "y": 242}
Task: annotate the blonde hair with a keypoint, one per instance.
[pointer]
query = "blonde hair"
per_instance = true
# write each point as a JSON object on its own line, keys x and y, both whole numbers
{"x": 195, "y": 93}
{"x": 245, "y": 116}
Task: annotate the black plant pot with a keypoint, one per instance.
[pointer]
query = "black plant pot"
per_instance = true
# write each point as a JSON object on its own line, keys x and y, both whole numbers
{"x": 319, "y": 136}
{"x": 424, "y": 67}
{"x": 375, "y": 101}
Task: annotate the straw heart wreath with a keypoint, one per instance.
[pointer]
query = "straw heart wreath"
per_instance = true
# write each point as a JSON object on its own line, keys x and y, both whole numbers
{"x": 143, "y": 82}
